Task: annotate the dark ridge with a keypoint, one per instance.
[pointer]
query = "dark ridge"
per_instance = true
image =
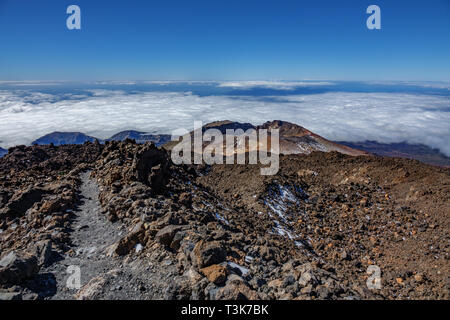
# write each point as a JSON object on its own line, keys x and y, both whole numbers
{"x": 222, "y": 126}
{"x": 141, "y": 137}
{"x": 61, "y": 138}
{"x": 419, "y": 152}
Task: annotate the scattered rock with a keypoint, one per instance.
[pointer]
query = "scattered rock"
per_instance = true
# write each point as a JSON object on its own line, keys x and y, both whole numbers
{"x": 43, "y": 251}
{"x": 15, "y": 268}
{"x": 310, "y": 231}
{"x": 166, "y": 234}
{"x": 208, "y": 253}
{"x": 91, "y": 290}
{"x": 127, "y": 243}
{"x": 236, "y": 291}
{"x": 10, "y": 296}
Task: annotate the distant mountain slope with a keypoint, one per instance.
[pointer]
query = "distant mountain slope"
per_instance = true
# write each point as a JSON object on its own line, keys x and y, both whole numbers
{"x": 60, "y": 138}
{"x": 225, "y": 125}
{"x": 294, "y": 139}
{"x": 402, "y": 150}
{"x": 222, "y": 126}
{"x": 3, "y": 152}
{"x": 141, "y": 137}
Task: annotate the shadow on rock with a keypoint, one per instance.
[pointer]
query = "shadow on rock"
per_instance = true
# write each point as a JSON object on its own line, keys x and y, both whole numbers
{"x": 44, "y": 285}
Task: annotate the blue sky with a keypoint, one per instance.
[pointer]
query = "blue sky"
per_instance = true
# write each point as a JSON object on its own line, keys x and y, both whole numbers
{"x": 225, "y": 40}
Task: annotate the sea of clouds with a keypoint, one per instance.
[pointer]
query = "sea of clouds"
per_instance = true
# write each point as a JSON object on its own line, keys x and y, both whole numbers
{"x": 349, "y": 116}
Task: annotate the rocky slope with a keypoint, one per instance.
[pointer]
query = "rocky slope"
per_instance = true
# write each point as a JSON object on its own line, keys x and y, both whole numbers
{"x": 154, "y": 230}
{"x": 295, "y": 139}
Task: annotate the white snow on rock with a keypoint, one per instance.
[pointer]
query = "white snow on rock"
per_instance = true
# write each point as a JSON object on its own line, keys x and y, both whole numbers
{"x": 220, "y": 218}
{"x": 138, "y": 248}
{"x": 248, "y": 259}
{"x": 244, "y": 271}
{"x": 282, "y": 201}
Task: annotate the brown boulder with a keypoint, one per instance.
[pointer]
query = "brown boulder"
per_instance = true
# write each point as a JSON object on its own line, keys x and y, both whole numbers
{"x": 208, "y": 253}
{"x": 215, "y": 273}
{"x": 91, "y": 290}
{"x": 275, "y": 283}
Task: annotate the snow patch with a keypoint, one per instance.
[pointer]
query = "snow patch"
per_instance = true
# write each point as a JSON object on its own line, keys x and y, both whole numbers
{"x": 138, "y": 248}
{"x": 220, "y": 218}
{"x": 244, "y": 271}
{"x": 283, "y": 200}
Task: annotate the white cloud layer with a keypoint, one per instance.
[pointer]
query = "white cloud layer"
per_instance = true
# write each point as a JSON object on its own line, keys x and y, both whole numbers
{"x": 385, "y": 117}
{"x": 279, "y": 85}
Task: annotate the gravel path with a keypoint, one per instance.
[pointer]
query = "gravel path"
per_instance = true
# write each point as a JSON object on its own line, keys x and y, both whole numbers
{"x": 92, "y": 234}
{"x": 101, "y": 276}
